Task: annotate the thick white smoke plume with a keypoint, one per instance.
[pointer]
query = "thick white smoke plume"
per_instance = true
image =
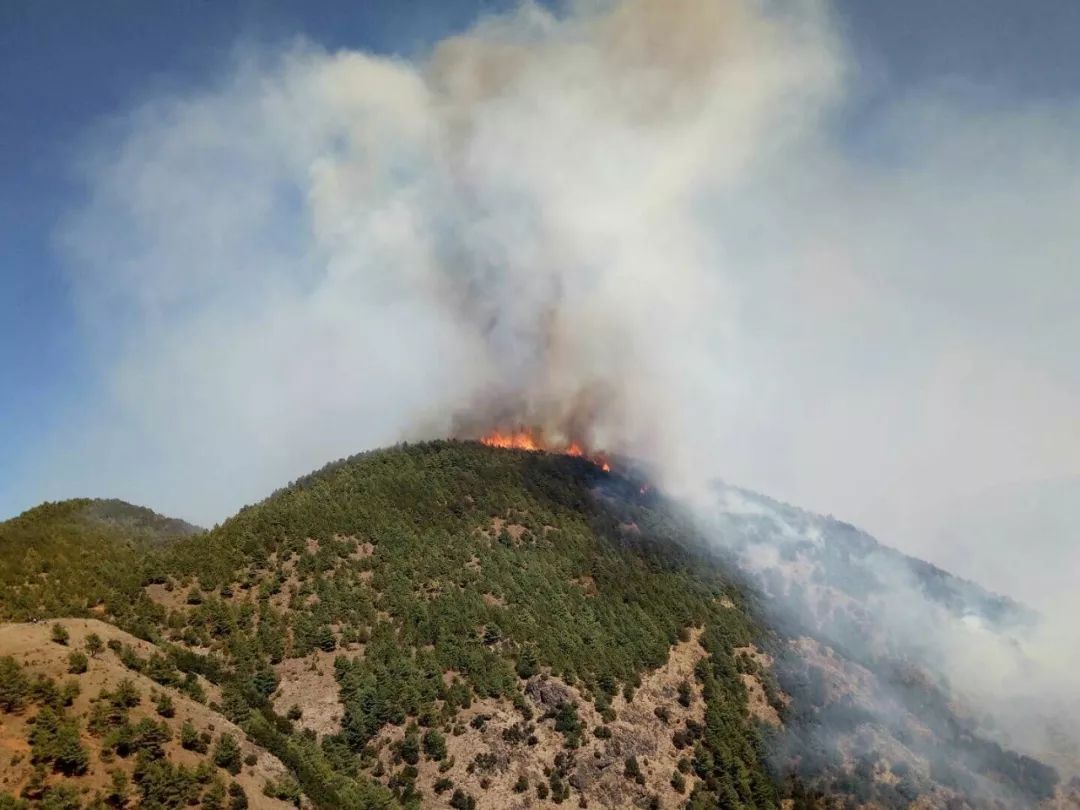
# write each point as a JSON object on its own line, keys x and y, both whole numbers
{"x": 516, "y": 229}
{"x": 634, "y": 219}
{"x": 641, "y": 222}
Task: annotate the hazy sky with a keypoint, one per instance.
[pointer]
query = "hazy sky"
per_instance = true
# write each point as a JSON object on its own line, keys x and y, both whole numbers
{"x": 899, "y": 341}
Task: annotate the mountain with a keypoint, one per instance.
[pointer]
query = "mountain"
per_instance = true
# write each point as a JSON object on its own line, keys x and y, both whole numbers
{"x": 61, "y": 559}
{"x": 456, "y": 624}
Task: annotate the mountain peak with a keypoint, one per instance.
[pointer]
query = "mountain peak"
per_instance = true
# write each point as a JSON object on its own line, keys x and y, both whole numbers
{"x": 501, "y": 627}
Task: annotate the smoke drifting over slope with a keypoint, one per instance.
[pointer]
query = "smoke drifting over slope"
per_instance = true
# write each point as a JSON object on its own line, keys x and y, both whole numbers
{"x": 1004, "y": 672}
{"x": 629, "y": 220}
{"x": 628, "y": 223}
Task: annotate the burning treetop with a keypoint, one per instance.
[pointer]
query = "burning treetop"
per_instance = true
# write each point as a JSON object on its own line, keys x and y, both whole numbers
{"x": 534, "y": 441}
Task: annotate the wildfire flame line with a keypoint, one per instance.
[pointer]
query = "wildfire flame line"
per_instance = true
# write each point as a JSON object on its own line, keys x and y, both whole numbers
{"x": 527, "y": 440}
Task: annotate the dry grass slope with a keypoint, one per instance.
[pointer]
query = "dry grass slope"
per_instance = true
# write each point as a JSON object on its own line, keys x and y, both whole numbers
{"x": 30, "y": 644}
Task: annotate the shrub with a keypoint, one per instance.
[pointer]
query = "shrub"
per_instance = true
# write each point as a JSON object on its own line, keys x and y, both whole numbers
{"x": 54, "y": 738}
{"x": 117, "y": 792}
{"x": 165, "y": 705}
{"x": 60, "y": 634}
{"x": 43, "y": 690}
{"x": 265, "y": 681}
{"x": 129, "y": 658}
{"x": 69, "y": 692}
{"x": 214, "y": 797}
{"x": 324, "y": 639}
{"x": 527, "y": 665}
{"x": 145, "y": 737}
{"x": 227, "y": 753}
{"x": 190, "y": 739}
{"x": 14, "y": 685}
{"x": 560, "y": 791}
{"x": 284, "y": 789}
{"x": 462, "y": 801}
{"x": 61, "y": 797}
{"x": 442, "y": 784}
{"x": 568, "y": 723}
{"x": 77, "y": 662}
{"x": 192, "y": 688}
{"x": 125, "y": 694}
{"x": 238, "y": 799}
{"x": 410, "y": 746}
{"x": 678, "y": 782}
{"x": 435, "y": 745}
{"x": 94, "y": 645}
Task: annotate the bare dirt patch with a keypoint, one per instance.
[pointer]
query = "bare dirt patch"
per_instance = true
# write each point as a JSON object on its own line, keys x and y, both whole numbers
{"x": 587, "y": 585}
{"x": 362, "y": 551}
{"x": 169, "y": 598}
{"x": 757, "y": 699}
{"x": 496, "y": 527}
{"x": 310, "y": 684}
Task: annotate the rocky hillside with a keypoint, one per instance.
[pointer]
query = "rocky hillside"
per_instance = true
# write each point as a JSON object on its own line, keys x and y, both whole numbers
{"x": 447, "y": 624}
{"x": 80, "y": 720}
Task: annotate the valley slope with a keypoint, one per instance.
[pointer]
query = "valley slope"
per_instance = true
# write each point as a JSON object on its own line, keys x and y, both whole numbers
{"x": 454, "y": 624}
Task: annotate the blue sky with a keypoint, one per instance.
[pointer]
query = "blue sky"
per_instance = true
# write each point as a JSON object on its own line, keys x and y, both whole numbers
{"x": 64, "y": 70}
{"x": 957, "y": 122}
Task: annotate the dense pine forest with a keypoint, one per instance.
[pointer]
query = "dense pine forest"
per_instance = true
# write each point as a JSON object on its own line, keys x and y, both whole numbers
{"x": 425, "y": 580}
{"x": 445, "y": 624}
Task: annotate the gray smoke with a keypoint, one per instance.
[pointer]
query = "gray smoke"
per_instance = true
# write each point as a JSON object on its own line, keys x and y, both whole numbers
{"x": 1003, "y": 671}
{"x": 636, "y": 223}
{"x": 335, "y": 251}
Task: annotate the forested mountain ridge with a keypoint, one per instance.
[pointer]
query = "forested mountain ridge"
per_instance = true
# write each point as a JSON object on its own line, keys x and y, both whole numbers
{"x": 453, "y": 624}
{"x": 60, "y": 559}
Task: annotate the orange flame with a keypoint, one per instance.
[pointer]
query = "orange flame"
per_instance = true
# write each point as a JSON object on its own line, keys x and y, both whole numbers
{"x": 521, "y": 440}
{"x": 533, "y": 442}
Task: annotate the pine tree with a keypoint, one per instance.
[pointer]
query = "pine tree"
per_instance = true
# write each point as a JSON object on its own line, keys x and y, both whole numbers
{"x": 165, "y": 705}
{"x": 410, "y": 746}
{"x": 214, "y": 796}
{"x": 118, "y": 788}
{"x": 527, "y": 665}
{"x": 227, "y": 753}
{"x": 435, "y": 745}
{"x": 237, "y": 797}
{"x": 94, "y": 645}
{"x": 77, "y": 662}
